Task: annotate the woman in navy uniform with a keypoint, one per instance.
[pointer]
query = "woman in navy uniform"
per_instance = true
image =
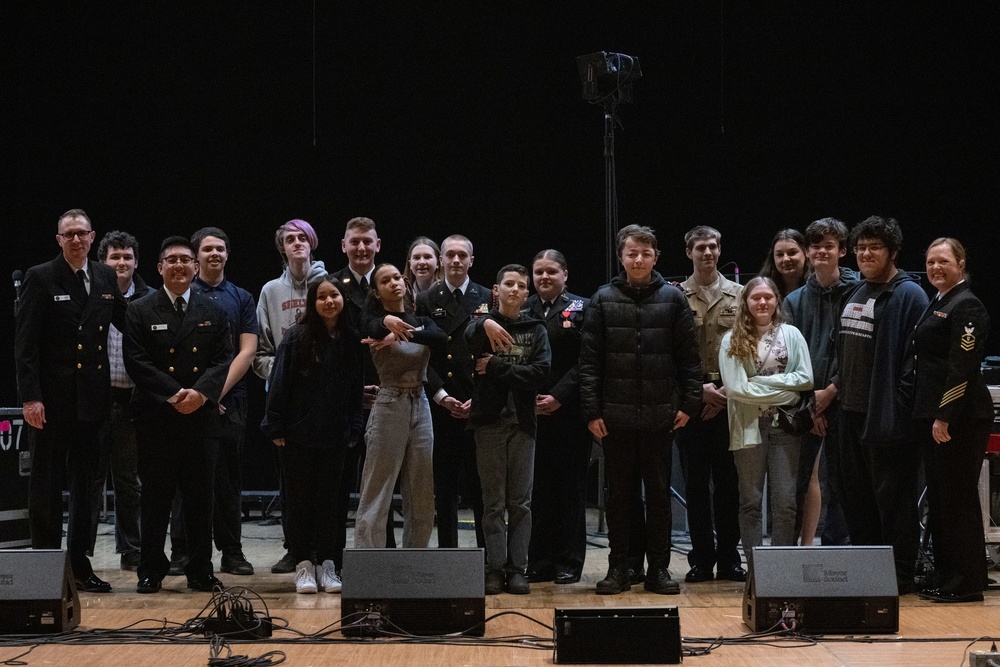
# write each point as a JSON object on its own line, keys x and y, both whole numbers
{"x": 563, "y": 443}
{"x": 954, "y": 414}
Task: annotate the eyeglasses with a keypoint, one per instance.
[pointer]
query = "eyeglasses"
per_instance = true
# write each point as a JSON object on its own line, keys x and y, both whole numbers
{"x": 177, "y": 259}
{"x": 69, "y": 236}
{"x": 873, "y": 247}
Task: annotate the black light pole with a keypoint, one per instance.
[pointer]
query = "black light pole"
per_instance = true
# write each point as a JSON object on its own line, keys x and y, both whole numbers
{"x": 607, "y": 80}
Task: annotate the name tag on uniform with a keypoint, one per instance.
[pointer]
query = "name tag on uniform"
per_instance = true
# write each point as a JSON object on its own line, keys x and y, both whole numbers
{"x": 158, "y": 327}
{"x": 938, "y": 313}
{"x": 108, "y": 296}
{"x": 61, "y": 297}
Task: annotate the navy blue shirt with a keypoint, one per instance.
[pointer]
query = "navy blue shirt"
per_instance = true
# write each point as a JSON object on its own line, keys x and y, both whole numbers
{"x": 241, "y": 313}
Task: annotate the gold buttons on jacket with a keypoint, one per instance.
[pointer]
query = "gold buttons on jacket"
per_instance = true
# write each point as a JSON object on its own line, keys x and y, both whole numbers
{"x": 100, "y": 347}
{"x": 171, "y": 350}
{"x": 100, "y": 328}
{"x": 171, "y": 369}
{"x": 79, "y": 366}
{"x": 449, "y": 356}
{"x": 449, "y": 339}
{"x": 195, "y": 369}
{"x": 449, "y": 373}
{"x": 194, "y": 349}
{"x": 79, "y": 346}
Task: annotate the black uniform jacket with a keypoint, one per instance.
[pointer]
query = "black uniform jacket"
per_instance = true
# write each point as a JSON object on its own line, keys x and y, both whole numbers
{"x": 564, "y": 325}
{"x": 948, "y": 348}
{"x": 163, "y": 357}
{"x": 452, "y": 365}
{"x": 61, "y": 339}
{"x": 362, "y": 309}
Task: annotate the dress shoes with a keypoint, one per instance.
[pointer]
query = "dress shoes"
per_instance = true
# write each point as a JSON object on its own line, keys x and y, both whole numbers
{"x": 177, "y": 563}
{"x": 93, "y": 584}
{"x": 148, "y": 585}
{"x": 698, "y": 574}
{"x": 937, "y": 595}
{"x": 658, "y": 581}
{"x": 567, "y": 576}
{"x": 538, "y": 575}
{"x": 287, "y": 564}
{"x": 731, "y": 573}
{"x": 236, "y": 563}
{"x": 206, "y": 583}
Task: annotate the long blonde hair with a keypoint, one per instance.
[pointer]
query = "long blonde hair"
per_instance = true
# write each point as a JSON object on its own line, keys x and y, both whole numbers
{"x": 743, "y": 341}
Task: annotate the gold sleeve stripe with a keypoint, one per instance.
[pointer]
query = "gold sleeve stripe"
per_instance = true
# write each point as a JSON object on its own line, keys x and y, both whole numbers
{"x": 953, "y": 394}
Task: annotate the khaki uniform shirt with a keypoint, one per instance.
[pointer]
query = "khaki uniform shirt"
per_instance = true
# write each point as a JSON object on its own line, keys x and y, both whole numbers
{"x": 714, "y": 311}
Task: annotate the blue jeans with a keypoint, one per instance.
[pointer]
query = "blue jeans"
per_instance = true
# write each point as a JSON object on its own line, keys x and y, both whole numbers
{"x": 400, "y": 441}
{"x": 776, "y": 458}
{"x": 505, "y": 456}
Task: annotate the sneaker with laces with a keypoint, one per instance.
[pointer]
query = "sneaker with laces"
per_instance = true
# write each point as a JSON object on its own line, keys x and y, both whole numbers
{"x": 326, "y": 575}
{"x": 305, "y": 577}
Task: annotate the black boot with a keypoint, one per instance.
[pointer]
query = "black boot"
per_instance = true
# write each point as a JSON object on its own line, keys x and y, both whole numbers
{"x": 658, "y": 579}
{"x": 617, "y": 580}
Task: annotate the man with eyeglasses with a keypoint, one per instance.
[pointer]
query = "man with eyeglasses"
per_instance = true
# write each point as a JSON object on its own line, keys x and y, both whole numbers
{"x": 877, "y": 452}
{"x": 61, "y": 349}
{"x": 177, "y": 350}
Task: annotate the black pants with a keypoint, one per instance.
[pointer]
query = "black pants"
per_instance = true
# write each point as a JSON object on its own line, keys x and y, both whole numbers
{"x": 63, "y": 450}
{"x": 455, "y": 474}
{"x": 227, "y": 514}
{"x": 712, "y": 492}
{"x": 879, "y": 492}
{"x": 955, "y": 517}
{"x": 313, "y": 487}
{"x": 559, "y": 493}
{"x": 172, "y": 462}
{"x": 650, "y": 453}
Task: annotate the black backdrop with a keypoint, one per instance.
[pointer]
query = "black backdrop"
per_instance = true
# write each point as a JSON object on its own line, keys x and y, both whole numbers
{"x": 159, "y": 118}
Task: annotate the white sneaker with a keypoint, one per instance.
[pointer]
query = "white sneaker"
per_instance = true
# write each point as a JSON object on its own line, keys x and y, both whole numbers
{"x": 305, "y": 577}
{"x": 328, "y": 579}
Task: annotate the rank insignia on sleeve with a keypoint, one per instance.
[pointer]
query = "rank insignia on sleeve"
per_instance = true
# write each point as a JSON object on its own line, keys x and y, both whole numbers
{"x": 968, "y": 339}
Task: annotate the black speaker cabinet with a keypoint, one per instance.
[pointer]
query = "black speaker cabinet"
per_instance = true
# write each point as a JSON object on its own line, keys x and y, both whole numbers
{"x": 37, "y": 593}
{"x": 15, "y": 466}
{"x": 817, "y": 590}
{"x": 617, "y": 635}
{"x": 416, "y": 591}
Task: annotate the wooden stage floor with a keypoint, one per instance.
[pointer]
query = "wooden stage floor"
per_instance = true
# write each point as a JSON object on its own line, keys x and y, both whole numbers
{"x": 930, "y": 634}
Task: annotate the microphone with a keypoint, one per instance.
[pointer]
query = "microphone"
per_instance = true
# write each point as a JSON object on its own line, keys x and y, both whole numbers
{"x": 18, "y": 276}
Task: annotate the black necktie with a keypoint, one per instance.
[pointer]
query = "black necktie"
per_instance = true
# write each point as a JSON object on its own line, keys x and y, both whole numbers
{"x": 364, "y": 284}
{"x": 81, "y": 276}
{"x": 547, "y": 306}
{"x": 179, "y": 307}
{"x": 458, "y": 296}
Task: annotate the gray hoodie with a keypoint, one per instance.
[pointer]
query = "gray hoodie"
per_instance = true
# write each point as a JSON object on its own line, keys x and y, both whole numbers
{"x": 281, "y": 303}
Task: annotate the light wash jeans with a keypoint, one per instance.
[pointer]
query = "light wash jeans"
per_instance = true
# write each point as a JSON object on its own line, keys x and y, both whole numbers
{"x": 400, "y": 442}
{"x": 505, "y": 456}
{"x": 777, "y": 459}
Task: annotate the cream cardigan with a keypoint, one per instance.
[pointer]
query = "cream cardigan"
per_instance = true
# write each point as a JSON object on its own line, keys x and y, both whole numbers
{"x": 747, "y": 392}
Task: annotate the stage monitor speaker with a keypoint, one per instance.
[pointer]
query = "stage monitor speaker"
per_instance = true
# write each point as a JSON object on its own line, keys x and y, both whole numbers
{"x": 838, "y": 590}
{"x": 414, "y": 591}
{"x": 37, "y": 593}
{"x": 617, "y": 635}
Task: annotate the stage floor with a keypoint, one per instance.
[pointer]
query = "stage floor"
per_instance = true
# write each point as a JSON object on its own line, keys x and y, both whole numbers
{"x": 930, "y": 634}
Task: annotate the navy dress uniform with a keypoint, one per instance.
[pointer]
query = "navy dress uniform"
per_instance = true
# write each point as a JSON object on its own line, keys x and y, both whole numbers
{"x": 453, "y": 368}
{"x": 177, "y": 453}
{"x": 61, "y": 356}
{"x": 562, "y": 450}
{"x": 948, "y": 348}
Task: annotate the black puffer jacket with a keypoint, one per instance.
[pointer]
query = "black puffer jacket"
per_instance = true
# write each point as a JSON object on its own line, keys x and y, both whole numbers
{"x": 639, "y": 361}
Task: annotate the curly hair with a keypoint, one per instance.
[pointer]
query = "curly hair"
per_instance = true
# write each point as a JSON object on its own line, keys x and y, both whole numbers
{"x": 885, "y": 230}
{"x": 743, "y": 341}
